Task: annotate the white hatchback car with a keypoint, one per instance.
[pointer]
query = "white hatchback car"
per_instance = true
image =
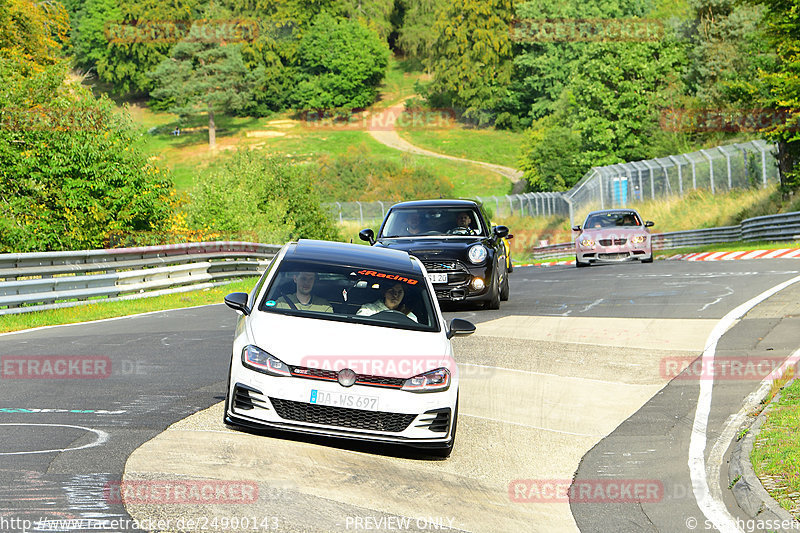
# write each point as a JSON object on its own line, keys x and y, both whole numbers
{"x": 347, "y": 341}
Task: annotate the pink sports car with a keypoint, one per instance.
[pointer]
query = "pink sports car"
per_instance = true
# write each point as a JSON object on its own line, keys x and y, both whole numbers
{"x": 613, "y": 236}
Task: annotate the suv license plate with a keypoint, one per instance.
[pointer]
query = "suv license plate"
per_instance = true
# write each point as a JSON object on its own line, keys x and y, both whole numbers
{"x": 438, "y": 278}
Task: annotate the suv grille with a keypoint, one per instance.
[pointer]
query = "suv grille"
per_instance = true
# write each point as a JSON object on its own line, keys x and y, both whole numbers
{"x": 341, "y": 416}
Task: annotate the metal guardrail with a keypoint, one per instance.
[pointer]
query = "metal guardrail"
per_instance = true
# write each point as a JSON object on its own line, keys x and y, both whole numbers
{"x": 782, "y": 227}
{"x": 48, "y": 280}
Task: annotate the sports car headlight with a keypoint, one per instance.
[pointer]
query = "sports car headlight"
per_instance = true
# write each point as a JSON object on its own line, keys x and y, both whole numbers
{"x": 434, "y": 381}
{"x": 477, "y": 254}
{"x": 587, "y": 242}
{"x": 638, "y": 239}
{"x": 257, "y": 359}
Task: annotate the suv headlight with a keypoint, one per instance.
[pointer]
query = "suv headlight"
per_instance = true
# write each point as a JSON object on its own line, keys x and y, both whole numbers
{"x": 257, "y": 359}
{"x": 434, "y": 381}
{"x": 477, "y": 254}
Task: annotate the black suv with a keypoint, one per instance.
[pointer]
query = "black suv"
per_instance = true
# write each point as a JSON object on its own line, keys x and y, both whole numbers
{"x": 464, "y": 255}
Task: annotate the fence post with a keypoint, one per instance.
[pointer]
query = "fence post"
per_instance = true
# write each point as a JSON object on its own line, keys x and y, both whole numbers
{"x": 728, "y": 160}
{"x": 763, "y": 164}
{"x": 360, "y": 213}
{"x": 383, "y": 211}
{"x": 710, "y": 169}
{"x": 680, "y": 174}
{"x": 340, "y": 212}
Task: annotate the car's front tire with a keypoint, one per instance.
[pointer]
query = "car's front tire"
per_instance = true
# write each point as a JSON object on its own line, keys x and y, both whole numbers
{"x": 494, "y": 301}
{"x": 579, "y": 263}
{"x": 505, "y": 290}
{"x": 648, "y": 260}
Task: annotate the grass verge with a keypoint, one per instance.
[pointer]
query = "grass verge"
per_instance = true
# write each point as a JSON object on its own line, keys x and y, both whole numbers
{"x": 102, "y": 309}
{"x": 776, "y": 452}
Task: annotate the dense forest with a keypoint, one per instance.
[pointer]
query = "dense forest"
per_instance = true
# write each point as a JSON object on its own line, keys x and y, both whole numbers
{"x": 591, "y": 83}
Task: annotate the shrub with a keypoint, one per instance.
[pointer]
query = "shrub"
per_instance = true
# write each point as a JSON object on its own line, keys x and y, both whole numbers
{"x": 269, "y": 199}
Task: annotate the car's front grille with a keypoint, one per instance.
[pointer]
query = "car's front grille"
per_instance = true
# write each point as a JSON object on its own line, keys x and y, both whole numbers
{"x": 610, "y": 242}
{"x": 457, "y": 273}
{"x": 438, "y": 266}
{"x": 341, "y": 416}
{"x": 361, "y": 379}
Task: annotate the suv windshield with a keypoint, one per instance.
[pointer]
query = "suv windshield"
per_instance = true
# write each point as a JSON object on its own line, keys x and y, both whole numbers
{"x": 355, "y": 294}
{"x": 439, "y": 221}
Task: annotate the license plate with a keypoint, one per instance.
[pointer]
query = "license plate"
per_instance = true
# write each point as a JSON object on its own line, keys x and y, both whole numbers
{"x": 341, "y": 399}
{"x": 438, "y": 278}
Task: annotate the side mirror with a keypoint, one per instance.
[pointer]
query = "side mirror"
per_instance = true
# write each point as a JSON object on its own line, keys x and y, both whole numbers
{"x": 367, "y": 235}
{"x": 238, "y": 302}
{"x": 649, "y": 224}
{"x": 510, "y": 236}
{"x": 501, "y": 231}
{"x": 459, "y": 326}
{"x": 576, "y": 228}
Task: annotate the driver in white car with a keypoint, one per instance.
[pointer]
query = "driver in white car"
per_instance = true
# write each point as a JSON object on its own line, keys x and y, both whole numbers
{"x": 392, "y": 301}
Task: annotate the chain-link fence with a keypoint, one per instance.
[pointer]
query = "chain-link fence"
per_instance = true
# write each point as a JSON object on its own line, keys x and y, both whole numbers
{"x": 719, "y": 169}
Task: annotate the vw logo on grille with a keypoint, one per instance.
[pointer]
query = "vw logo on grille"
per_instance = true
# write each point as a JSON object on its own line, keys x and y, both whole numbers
{"x": 347, "y": 377}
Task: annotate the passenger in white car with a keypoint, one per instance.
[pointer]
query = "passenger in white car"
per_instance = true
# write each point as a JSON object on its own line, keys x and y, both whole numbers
{"x": 392, "y": 301}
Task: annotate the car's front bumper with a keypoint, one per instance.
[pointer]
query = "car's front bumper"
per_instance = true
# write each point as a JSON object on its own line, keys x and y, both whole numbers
{"x": 612, "y": 254}
{"x": 459, "y": 279}
{"x": 410, "y": 419}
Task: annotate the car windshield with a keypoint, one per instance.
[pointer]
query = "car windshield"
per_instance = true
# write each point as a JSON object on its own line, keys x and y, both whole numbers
{"x": 362, "y": 294}
{"x": 612, "y": 220}
{"x": 439, "y": 221}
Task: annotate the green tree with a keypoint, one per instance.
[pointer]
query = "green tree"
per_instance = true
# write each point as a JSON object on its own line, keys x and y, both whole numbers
{"x": 340, "y": 65}
{"x": 416, "y": 36}
{"x": 268, "y": 198}
{"x": 471, "y": 60}
{"x": 91, "y": 31}
{"x": 781, "y": 86}
{"x": 71, "y": 168}
{"x": 141, "y": 38}
{"x": 33, "y": 32}
{"x": 203, "y": 76}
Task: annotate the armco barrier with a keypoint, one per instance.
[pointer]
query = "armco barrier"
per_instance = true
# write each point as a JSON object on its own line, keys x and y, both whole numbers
{"x": 38, "y": 281}
{"x": 782, "y": 227}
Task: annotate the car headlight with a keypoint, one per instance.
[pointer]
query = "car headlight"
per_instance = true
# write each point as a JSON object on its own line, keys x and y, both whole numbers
{"x": 587, "y": 242}
{"x": 477, "y": 254}
{"x": 434, "y": 381}
{"x": 257, "y": 359}
{"x": 638, "y": 239}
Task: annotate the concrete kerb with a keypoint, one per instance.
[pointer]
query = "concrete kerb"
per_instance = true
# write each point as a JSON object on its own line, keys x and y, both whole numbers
{"x": 750, "y": 494}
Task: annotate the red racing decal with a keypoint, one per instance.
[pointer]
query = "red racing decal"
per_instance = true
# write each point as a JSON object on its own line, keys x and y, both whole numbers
{"x": 394, "y": 277}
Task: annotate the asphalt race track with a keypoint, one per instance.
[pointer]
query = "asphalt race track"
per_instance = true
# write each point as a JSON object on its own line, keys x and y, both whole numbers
{"x": 581, "y": 374}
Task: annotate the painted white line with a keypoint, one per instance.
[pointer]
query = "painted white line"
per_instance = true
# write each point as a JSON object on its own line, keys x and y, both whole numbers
{"x": 705, "y": 488}
{"x": 532, "y": 427}
{"x": 716, "y": 457}
{"x": 103, "y": 319}
{"x": 596, "y": 302}
{"x": 102, "y": 437}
